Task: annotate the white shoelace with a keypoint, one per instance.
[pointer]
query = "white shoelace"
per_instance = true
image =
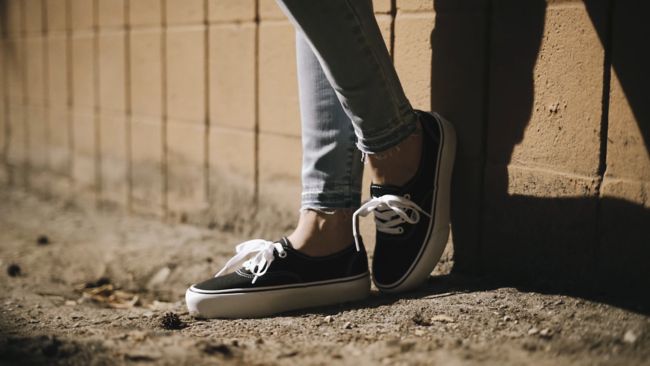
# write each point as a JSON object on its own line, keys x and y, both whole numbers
{"x": 260, "y": 262}
{"x": 390, "y": 211}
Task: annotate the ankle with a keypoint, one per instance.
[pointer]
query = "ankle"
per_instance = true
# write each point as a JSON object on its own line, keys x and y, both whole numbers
{"x": 399, "y": 164}
{"x": 320, "y": 234}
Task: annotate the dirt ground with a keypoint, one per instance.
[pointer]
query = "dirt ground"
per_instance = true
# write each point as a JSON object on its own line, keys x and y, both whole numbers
{"x": 92, "y": 287}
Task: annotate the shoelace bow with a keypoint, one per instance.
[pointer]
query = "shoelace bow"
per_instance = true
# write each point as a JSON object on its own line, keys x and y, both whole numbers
{"x": 260, "y": 262}
{"x": 390, "y": 211}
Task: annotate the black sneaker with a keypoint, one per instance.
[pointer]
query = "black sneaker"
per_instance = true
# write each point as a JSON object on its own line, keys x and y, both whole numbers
{"x": 413, "y": 221}
{"x": 277, "y": 278}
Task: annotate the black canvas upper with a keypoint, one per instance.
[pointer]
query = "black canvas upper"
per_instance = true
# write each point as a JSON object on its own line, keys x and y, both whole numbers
{"x": 395, "y": 253}
{"x": 294, "y": 269}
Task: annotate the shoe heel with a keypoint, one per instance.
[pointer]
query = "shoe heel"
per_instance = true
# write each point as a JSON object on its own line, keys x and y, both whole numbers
{"x": 439, "y": 234}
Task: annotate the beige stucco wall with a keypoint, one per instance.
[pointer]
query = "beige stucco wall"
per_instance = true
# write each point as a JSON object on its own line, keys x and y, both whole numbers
{"x": 182, "y": 107}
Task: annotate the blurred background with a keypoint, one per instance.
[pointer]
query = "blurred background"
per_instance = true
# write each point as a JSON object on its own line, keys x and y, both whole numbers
{"x": 188, "y": 110}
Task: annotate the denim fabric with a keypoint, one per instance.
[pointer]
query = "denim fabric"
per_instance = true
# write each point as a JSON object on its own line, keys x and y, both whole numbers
{"x": 351, "y": 99}
{"x": 331, "y": 163}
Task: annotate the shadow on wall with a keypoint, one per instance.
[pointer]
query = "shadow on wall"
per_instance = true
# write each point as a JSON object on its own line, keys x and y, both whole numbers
{"x": 483, "y": 80}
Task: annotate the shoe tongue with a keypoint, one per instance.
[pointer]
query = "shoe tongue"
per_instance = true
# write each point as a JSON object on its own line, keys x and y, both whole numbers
{"x": 377, "y": 190}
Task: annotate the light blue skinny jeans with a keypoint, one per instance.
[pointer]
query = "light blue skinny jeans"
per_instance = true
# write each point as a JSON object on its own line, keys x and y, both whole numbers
{"x": 351, "y": 100}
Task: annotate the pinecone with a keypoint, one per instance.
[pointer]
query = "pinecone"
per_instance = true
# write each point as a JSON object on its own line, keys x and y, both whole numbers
{"x": 171, "y": 320}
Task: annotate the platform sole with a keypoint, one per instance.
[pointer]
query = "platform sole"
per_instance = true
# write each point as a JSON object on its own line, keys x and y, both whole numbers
{"x": 265, "y": 301}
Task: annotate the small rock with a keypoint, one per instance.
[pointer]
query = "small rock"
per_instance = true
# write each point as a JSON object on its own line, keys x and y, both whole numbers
{"x": 14, "y": 270}
{"x": 161, "y": 305}
{"x": 137, "y": 336}
{"x": 507, "y": 318}
{"x": 42, "y": 240}
{"x": 70, "y": 303}
{"x": 419, "y": 332}
{"x": 442, "y": 319}
{"x": 630, "y": 337}
{"x": 405, "y": 347}
{"x": 347, "y": 325}
{"x": 99, "y": 283}
{"x": 159, "y": 278}
{"x": 418, "y": 319}
{"x": 140, "y": 357}
{"x": 513, "y": 335}
{"x": 328, "y": 319}
{"x": 530, "y": 346}
{"x": 546, "y": 333}
{"x": 392, "y": 342}
{"x": 533, "y": 331}
{"x": 288, "y": 354}
{"x": 217, "y": 349}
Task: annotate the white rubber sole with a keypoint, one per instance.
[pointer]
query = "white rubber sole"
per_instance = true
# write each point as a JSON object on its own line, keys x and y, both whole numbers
{"x": 438, "y": 231}
{"x": 265, "y": 301}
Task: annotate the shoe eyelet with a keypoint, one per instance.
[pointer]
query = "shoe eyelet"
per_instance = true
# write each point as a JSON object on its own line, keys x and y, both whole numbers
{"x": 400, "y": 230}
{"x": 282, "y": 255}
{"x": 407, "y": 196}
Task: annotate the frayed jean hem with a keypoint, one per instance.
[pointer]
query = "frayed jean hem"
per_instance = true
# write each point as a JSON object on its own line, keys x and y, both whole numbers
{"x": 329, "y": 201}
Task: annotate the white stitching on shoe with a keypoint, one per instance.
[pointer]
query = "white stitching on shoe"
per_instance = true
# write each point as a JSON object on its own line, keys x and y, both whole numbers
{"x": 258, "y": 264}
{"x": 243, "y": 274}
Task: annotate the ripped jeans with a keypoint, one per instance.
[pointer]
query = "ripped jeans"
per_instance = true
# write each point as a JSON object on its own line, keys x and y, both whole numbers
{"x": 351, "y": 100}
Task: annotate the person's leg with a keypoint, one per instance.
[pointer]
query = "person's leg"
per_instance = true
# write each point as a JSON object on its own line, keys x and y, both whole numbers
{"x": 317, "y": 264}
{"x": 347, "y": 41}
{"x": 410, "y": 153}
{"x": 331, "y": 168}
